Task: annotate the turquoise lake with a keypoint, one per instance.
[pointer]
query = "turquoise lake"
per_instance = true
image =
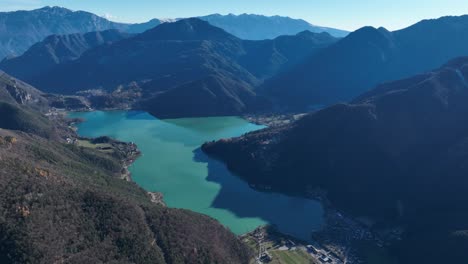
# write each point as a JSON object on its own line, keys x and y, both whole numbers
{"x": 173, "y": 164}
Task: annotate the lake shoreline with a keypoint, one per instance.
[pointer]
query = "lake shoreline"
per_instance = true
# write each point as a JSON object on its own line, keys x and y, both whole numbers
{"x": 214, "y": 187}
{"x": 132, "y": 155}
{"x": 318, "y": 237}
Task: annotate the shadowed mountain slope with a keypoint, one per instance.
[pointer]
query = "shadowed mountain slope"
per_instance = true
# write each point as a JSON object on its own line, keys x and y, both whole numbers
{"x": 368, "y": 57}
{"x": 21, "y": 106}
{"x": 57, "y": 49}
{"x": 179, "y": 59}
{"x": 396, "y": 154}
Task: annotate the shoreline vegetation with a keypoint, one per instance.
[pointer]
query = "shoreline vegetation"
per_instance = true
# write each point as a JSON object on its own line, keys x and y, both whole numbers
{"x": 127, "y": 152}
{"x": 273, "y": 119}
{"x": 53, "y": 190}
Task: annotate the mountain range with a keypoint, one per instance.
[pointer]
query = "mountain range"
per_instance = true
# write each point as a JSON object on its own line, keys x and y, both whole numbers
{"x": 297, "y": 72}
{"x": 20, "y": 30}
{"x": 258, "y": 27}
{"x": 367, "y": 57}
{"x": 396, "y": 154}
{"x": 57, "y": 49}
{"x": 185, "y": 68}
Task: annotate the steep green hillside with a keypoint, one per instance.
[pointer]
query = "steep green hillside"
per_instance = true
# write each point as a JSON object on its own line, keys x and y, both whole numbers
{"x": 21, "y": 106}
{"x": 16, "y": 118}
{"x": 65, "y": 203}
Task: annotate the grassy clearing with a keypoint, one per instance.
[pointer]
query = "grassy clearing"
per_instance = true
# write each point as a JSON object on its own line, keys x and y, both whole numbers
{"x": 291, "y": 257}
{"x": 298, "y": 256}
{"x": 104, "y": 147}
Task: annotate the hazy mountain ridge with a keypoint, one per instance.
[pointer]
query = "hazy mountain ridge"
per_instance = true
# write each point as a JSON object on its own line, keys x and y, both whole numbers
{"x": 181, "y": 54}
{"x": 20, "y": 30}
{"x": 282, "y": 52}
{"x": 156, "y": 59}
{"x": 258, "y": 27}
{"x": 57, "y": 49}
{"x": 367, "y": 57}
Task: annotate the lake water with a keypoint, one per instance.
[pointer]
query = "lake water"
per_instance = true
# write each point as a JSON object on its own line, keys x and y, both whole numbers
{"x": 173, "y": 164}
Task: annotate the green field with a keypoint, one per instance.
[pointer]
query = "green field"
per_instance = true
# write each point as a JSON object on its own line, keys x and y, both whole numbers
{"x": 87, "y": 144}
{"x": 291, "y": 257}
{"x": 299, "y": 256}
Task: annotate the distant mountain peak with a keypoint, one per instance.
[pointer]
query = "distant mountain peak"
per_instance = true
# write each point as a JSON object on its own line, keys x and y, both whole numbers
{"x": 54, "y": 10}
{"x": 369, "y": 33}
{"x": 382, "y": 29}
{"x": 307, "y": 33}
{"x": 463, "y": 18}
{"x": 365, "y": 30}
{"x": 186, "y": 29}
{"x": 454, "y": 22}
{"x": 457, "y": 63}
{"x": 56, "y": 49}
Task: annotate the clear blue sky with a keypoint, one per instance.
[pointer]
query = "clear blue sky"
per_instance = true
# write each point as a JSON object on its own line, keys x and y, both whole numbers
{"x": 346, "y": 14}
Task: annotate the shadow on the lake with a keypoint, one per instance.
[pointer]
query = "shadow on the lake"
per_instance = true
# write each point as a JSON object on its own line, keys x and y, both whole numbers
{"x": 291, "y": 215}
{"x": 204, "y": 125}
{"x": 192, "y": 132}
{"x": 139, "y": 115}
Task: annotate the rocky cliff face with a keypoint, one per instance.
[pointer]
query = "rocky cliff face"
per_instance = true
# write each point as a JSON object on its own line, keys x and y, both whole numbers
{"x": 15, "y": 91}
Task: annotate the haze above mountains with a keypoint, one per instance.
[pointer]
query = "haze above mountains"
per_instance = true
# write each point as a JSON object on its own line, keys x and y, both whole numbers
{"x": 19, "y": 30}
